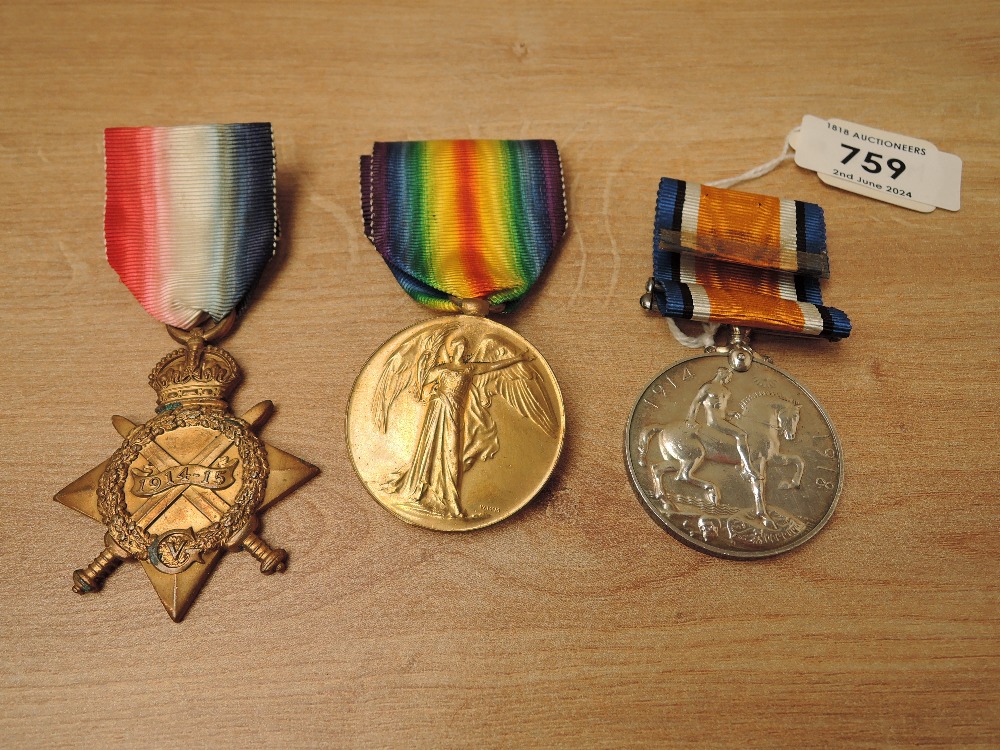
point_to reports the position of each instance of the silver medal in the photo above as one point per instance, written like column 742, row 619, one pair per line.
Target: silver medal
column 733, row 456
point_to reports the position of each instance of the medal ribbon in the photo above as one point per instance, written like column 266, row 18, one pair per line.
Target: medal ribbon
column 464, row 219
column 722, row 256
column 190, row 219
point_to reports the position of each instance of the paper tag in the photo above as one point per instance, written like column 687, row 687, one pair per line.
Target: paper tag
column 889, row 167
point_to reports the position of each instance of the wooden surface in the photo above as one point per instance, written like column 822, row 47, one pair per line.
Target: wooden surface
column 579, row 622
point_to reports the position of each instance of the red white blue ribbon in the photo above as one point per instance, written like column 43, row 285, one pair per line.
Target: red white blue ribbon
column 190, row 219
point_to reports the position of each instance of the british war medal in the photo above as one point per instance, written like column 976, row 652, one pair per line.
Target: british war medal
column 725, row 450
column 457, row 422
column 190, row 223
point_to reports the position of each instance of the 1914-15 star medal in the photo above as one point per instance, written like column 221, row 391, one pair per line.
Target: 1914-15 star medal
column 188, row 484
column 190, row 222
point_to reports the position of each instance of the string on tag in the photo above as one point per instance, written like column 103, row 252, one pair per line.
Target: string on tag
column 763, row 169
column 703, row 340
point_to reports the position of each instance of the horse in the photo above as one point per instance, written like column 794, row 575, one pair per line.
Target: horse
column 767, row 418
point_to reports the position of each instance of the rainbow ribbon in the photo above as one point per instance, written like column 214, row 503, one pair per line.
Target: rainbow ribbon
column 464, row 219
column 190, row 219
column 722, row 256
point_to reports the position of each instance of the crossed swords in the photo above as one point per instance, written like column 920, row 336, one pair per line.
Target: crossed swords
column 206, row 501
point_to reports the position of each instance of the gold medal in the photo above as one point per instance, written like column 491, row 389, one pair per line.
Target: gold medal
column 455, row 423
column 188, row 484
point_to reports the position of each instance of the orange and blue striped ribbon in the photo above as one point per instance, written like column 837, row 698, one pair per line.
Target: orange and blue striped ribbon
column 464, row 219
column 190, row 218
column 723, row 256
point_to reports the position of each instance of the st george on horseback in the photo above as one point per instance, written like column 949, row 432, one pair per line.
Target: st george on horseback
column 750, row 439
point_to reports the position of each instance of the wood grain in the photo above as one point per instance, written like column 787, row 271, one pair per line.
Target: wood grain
column 578, row 623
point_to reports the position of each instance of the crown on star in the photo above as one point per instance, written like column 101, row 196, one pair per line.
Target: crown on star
column 198, row 372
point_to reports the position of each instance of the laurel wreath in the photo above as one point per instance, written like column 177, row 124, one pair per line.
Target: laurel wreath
column 111, row 487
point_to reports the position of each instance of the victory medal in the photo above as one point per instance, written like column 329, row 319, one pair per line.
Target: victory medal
column 457, row 422
column 190, row 224
column 728, row 452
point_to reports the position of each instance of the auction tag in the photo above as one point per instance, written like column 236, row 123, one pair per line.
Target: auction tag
column 889, row 167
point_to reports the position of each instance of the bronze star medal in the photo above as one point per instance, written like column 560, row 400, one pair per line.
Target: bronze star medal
column 188, row 484
column 190, row 223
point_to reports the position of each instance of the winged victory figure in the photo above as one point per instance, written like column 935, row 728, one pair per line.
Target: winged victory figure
column 456, row 426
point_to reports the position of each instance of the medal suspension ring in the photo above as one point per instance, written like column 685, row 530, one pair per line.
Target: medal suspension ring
column 111, row 488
